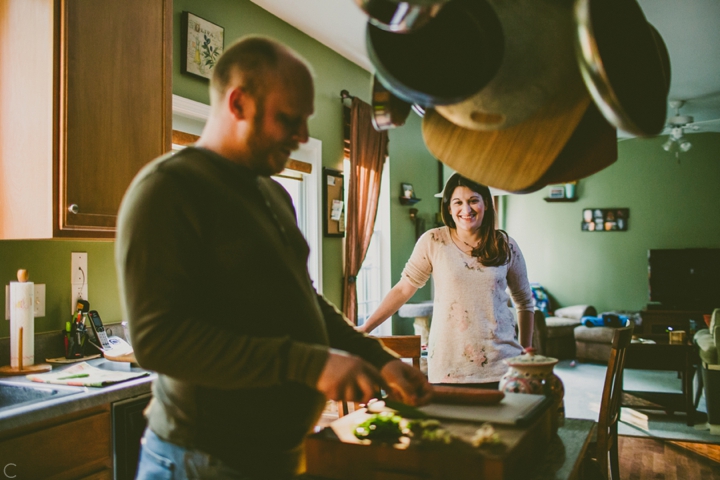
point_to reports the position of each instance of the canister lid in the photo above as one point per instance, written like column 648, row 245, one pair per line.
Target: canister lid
column 530, row 359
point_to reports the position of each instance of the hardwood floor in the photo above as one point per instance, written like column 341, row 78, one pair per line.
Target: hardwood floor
column 649, row 458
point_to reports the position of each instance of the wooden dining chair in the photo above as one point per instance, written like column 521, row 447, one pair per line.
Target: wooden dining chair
column 604, row 451
column 406, row 346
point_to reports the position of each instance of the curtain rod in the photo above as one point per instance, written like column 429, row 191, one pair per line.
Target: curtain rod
column 345, row 94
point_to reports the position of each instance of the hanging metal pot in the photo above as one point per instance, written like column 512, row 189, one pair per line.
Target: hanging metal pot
column 538, row 64
column 449, row 59
column 624, row 64
column 400, row 16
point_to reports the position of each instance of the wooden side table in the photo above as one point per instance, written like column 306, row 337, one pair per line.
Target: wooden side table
column 656, row 322
column 663, row 356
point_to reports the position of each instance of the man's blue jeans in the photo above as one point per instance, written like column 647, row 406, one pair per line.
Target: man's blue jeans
column 161, row 460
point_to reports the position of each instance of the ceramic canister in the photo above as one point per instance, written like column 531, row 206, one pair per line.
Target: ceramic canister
column 531, row 373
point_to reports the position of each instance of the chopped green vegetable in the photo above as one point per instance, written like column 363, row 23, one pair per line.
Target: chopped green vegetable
column 382, row 427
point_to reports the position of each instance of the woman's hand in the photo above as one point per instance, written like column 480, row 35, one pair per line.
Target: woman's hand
column 396, row 298
column 406, row 383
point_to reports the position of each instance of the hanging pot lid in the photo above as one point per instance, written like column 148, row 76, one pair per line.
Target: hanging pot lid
column 530, row 359
column 449, row 59
column 621, row 60
column 400, row 16
column 538, row 63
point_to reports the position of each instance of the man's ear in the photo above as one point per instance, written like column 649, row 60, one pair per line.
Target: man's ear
column 238, row 103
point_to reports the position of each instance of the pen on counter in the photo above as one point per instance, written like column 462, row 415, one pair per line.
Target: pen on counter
column 77, row 375
column 65, row 337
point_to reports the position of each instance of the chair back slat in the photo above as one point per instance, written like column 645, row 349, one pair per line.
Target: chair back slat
column 406, row 346
column 610, row 404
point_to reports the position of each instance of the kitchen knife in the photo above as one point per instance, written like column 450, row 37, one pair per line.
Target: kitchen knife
column 377, row 404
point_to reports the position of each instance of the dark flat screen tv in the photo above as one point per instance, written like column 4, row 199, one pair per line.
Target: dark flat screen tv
column 685, row 278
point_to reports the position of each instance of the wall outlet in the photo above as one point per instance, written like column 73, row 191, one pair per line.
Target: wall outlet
column 78, row 268
column 39, row 301
column 78, row 278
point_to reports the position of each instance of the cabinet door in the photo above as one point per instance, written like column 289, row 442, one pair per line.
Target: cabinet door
column 114, row 77
column 76, row 445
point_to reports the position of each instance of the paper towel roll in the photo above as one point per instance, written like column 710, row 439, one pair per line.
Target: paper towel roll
column 22, row 314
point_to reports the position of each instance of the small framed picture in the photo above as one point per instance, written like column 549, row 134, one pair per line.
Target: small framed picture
column 407, row 190
column 557, row 192
column 202, row 44
column 333, row 204
column 605, row 219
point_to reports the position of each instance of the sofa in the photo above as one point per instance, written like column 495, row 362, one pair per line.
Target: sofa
column 595, row 343
column 707, row 341
column 553, row 335
column 560, row 336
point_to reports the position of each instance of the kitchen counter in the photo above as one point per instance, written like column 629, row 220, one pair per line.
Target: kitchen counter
column 79, row 398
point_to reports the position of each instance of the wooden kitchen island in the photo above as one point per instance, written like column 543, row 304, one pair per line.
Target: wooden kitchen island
column 537, row 455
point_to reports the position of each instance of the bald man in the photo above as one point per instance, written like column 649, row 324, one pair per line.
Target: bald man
column 214, row 284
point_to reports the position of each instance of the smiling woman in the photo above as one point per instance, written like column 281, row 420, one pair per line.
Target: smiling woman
column 472, row 265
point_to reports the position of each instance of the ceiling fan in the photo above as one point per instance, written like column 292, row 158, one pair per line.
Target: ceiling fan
column 678, row 126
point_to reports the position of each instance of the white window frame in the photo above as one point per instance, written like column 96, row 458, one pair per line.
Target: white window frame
column 381, row 232
column 190, row 116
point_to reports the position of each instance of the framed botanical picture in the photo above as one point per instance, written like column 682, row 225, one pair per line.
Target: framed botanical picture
column 202, row 44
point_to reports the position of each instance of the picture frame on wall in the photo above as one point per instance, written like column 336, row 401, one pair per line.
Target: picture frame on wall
column 407, row 190
column 333, row 203
column 557, row 192
column 605, row 219
column 202, row 43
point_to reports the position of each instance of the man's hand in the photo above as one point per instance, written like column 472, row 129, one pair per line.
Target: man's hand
column 406, row 383
column 350, row 378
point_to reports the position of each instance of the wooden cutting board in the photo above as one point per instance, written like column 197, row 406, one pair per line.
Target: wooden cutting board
column 335, row 453
column 514, row 409
column 592, row 147
column 513, row 159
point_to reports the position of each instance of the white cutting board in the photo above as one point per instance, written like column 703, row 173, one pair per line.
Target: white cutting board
column 514, row 409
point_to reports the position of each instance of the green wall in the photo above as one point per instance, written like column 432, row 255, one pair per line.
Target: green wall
column 672, row 205
column 49, row 260
column 410, row 162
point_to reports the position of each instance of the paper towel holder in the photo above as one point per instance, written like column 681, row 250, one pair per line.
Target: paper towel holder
column 8, row 370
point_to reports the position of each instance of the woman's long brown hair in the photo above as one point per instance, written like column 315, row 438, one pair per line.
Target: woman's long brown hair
column 494, row 248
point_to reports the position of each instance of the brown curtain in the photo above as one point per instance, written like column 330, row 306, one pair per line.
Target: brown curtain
column 368, row 151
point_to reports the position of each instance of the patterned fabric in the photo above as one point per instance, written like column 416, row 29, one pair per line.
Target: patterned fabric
column 542, row 301
column 473, row 329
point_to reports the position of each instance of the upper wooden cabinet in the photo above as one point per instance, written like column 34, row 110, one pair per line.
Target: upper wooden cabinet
column 85, row 102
